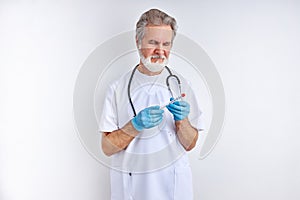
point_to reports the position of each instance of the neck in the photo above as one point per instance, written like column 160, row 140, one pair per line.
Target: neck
column 145, row 71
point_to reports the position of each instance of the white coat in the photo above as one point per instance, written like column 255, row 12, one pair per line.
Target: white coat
column 154, row 166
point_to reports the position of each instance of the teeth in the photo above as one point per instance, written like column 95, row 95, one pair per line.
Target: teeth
column 157, row 56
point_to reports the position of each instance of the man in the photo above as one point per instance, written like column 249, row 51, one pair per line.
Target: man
column 148, row 142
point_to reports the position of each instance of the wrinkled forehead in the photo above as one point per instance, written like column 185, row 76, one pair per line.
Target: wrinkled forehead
column 162, row 33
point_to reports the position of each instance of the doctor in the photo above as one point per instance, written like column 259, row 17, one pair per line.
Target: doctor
column 148, row 143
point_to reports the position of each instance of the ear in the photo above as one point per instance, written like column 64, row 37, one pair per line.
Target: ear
column 137, row 44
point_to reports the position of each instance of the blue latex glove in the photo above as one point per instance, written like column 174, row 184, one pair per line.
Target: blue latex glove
column 148, row 118
column 179, row 109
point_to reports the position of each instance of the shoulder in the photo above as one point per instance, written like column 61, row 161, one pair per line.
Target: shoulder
column 121, row 81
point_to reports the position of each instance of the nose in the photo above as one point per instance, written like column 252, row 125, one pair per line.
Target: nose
column 159, row 50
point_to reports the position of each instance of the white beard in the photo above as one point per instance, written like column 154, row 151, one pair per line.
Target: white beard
column 154, row 67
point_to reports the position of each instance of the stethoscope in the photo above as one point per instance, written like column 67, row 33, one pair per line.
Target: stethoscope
column 167, row 82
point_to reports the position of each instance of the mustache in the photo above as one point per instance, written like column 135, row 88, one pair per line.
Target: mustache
column 158, row 56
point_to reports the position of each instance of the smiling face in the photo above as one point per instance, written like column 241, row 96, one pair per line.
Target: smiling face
column 155, row 48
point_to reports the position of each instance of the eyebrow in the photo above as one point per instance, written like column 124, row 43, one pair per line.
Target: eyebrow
column 156, row 42
column 153, row 41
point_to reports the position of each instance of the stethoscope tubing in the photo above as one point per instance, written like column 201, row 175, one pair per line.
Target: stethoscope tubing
column 167, row 82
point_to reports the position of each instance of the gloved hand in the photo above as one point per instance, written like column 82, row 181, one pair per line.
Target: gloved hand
column 179, row 109
column 148, row 118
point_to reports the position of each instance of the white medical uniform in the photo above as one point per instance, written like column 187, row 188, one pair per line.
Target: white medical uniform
column 154, row 166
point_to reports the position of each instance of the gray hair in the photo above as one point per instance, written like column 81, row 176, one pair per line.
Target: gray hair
column 154, row 17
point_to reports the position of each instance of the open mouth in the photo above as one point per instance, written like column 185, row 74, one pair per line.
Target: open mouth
column 157, row 59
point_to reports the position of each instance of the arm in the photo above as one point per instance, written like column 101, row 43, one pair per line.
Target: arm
column 187, row 134
column 113, row 142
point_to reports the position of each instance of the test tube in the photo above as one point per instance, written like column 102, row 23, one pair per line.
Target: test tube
column 177, row 98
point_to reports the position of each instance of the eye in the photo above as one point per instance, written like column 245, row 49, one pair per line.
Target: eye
column 166, row 44
column 153, row 42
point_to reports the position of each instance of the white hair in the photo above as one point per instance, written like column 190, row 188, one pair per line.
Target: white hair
column 154, row 17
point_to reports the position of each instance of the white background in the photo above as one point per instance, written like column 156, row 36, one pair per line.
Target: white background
column 255, row 46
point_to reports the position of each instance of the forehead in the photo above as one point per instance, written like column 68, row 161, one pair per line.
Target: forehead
column 163, row 32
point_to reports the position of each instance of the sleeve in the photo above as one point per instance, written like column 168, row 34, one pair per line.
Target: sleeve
column 196, row 115
column 109, row 121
